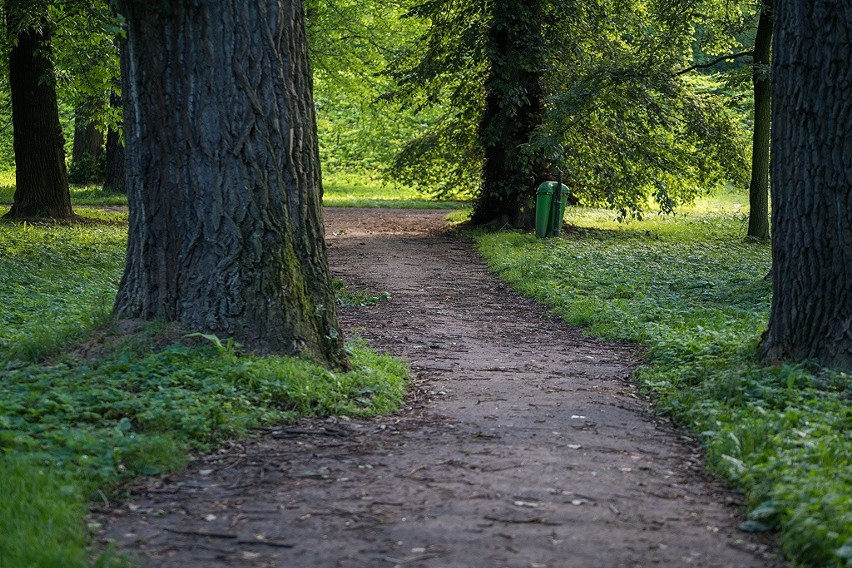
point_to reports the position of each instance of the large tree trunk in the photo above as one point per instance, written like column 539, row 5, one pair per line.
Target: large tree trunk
column 811, row 184
column 758, row 191
column 41, row 179
column 514, row 105
column 223, row 176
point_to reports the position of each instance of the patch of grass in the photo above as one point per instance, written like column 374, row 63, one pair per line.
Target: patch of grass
column 340, row 190
column 42, row 517
column 82, row 411
column 80, row 194
column 694, row 293
column 352, row 298
column 355, row 191
column 56, row 282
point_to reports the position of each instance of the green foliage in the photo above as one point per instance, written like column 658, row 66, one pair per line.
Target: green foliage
column 619, row 120
column 690, row 290
column 78, row 417
column 87, row 169
column 350, row 42
column 86, row 58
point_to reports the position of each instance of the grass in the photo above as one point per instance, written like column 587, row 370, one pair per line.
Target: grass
column 85, row 405
column 694, row 293
column 350, row 191
column 340, row 190
column 80, row 194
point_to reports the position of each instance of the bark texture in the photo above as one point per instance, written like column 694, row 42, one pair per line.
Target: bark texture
column 513, row 109
column 41, row 179
column 812, row 183
column 758, row 191
column 223, row 179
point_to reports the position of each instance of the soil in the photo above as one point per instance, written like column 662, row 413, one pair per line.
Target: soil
column 524, row 443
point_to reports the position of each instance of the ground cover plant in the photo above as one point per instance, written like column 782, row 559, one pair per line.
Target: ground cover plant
column 86, row 403
column 695, row 294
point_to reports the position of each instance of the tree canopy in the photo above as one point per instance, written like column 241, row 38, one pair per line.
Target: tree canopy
column 618, row 117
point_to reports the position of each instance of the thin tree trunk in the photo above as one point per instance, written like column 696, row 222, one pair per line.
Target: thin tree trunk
column 41, row 179
column 226, row 231
column 811, row 315
column 88, row 138
column 514, row 105
column 114, row 174
column 758, row 217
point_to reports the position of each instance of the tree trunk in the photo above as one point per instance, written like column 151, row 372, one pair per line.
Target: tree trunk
column 41, row 179
column 758, row 191
column 223, row 176
column 114, row 174
column 514, row 106
column 811, row 184
column 88, row 139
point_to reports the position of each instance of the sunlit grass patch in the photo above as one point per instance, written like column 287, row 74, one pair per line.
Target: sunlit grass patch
column 695, row 293
column 360, row 191
column 80, row 195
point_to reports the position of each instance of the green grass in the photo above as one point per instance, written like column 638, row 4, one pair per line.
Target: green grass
column 339, row 191
column 692, row 291
column 84, row 405
column 80, row 195
column 353, row 191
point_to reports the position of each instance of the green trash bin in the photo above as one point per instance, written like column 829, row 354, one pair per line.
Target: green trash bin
column 543, row 209
column 547, row 221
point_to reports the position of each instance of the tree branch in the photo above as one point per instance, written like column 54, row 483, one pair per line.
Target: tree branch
column 715, row 61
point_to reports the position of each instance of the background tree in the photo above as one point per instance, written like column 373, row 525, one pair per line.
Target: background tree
column 223, row 177
column 514, row 108
column 41, row 178
column 811, row 184
column 758, row 217
column 624, row 126
column 114, row 172
column 88, row 135
column 86, row 60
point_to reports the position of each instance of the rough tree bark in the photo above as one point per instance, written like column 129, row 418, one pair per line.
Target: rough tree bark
column 514, row 106
column 226, row 231
column 811, row 184
column 41, row 179
column 758, row 191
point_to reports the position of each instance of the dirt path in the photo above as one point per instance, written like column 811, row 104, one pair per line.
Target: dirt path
column 525, row 444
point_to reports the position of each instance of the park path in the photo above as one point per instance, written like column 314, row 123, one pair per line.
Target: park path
column 524, row 444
